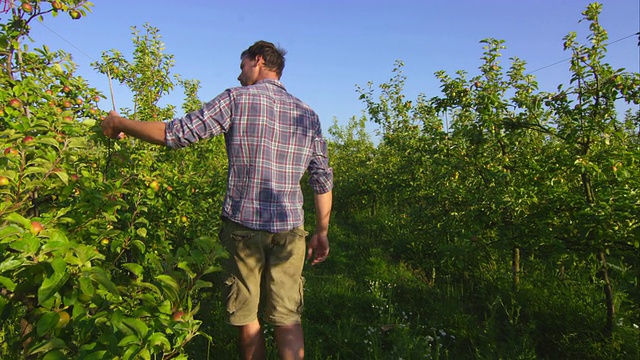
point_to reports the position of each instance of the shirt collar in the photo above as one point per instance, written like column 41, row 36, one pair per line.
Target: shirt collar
column 272, row 82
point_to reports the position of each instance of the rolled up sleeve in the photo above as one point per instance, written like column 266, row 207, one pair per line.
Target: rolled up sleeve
column 320, row 174
column 212, row 119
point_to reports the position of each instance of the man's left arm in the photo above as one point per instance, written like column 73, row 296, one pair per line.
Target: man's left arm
column 321, row 181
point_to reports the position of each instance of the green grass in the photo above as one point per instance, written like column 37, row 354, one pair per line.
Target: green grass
column 363, row 304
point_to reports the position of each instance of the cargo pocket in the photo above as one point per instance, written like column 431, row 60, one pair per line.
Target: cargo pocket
column 232, row 291
column 301, row 291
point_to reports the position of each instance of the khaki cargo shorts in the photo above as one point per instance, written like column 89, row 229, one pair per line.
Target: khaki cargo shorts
column 263, row 270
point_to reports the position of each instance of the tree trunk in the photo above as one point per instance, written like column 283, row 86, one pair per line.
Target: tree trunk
column 515, row 267
column 608, row 292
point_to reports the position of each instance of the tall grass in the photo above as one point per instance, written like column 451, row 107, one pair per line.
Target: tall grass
column 364, row 304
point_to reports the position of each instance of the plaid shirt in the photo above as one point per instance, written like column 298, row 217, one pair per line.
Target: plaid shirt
column 272, row 138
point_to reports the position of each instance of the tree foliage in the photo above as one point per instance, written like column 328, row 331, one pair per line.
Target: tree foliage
column 100, row 256
column 520, row 192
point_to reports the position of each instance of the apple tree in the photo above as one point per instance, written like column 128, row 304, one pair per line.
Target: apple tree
column 526, row 200
column 82, row 273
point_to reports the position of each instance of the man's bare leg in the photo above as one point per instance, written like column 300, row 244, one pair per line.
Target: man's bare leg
column 252, row 341
column 290, row 342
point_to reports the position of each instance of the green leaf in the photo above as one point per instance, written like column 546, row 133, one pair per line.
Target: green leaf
column 51, row 285
column 149, row 286
column 116, row 320
column 58, row 235
column 49, row 141
column 185, row 266
column 211, row 269
column 165, row 307
column 55, row 355
column 47, row 322
column 136, row 269
column 138, row 326
column 63, row 176
column 169, row 281
column 10, row 264
column 7, row 283
column 142, row 232
column 3, row 303
column 58, row 265
column 54, row 282
column 170, row 286
column 100, row 276
column 35, row 170
column 98, row 355
column 29, row 245
column 10, row 230
column 200, row 284
column 87, row 253
column 55, row 245
column 77, row 142
column 86, row 285
column 129, row 339
column 19, row 219
column 144, row 354
column 9, row 173
column 78, row 311
column 131, row 352
column 54, row 343
column 139, row 245
column 159, row 340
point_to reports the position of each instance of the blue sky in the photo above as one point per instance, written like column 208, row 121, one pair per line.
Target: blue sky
column 334, row 45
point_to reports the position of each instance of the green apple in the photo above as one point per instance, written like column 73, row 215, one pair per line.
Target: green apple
column 63, row 320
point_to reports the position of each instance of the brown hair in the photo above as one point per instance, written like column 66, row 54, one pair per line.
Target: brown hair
column 272, row 55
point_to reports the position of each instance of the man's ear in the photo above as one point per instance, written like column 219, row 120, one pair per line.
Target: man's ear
column 259, row 60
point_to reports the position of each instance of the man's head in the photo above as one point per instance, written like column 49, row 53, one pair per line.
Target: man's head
column 260, row 61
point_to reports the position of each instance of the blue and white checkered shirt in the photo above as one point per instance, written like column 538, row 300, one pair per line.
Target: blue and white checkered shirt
column 272, row 138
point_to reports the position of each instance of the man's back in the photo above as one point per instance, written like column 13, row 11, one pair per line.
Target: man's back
column 271, row 141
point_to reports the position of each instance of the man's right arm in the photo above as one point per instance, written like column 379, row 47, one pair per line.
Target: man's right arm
column 150, row 131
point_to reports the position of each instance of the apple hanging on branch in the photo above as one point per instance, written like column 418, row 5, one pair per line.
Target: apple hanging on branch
column 15, row 103
column 154, row 185
column 63, row 319
column 178, row 315
column 10, row 151
column 26, row 7
column 75, row 14
column 36, row 227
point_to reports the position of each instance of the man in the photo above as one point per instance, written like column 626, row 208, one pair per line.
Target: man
column 272, row 138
